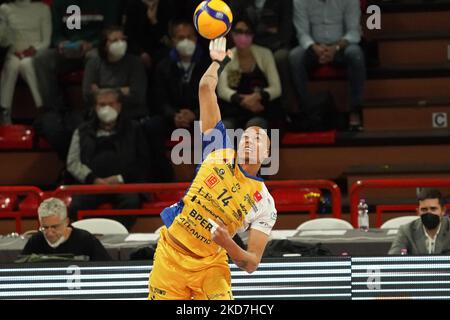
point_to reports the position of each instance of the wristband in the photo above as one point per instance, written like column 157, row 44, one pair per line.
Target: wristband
column 222, row 64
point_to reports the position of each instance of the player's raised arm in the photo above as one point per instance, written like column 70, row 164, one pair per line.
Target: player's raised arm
column 209, row 108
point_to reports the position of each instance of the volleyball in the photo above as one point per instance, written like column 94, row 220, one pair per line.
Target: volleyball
column 213, row 19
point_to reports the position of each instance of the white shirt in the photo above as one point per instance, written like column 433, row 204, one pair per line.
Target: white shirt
column 430, row 242
column 31, row 24
column 263, row 216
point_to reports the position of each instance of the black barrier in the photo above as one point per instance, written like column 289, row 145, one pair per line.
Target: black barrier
column 341, row 278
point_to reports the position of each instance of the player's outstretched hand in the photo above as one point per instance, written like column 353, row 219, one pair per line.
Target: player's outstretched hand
column 218, row 49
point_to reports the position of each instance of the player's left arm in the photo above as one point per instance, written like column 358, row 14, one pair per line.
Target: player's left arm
column 247, row 260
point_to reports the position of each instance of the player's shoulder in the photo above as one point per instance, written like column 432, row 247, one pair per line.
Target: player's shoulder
column 268, row 199
column 221, row 156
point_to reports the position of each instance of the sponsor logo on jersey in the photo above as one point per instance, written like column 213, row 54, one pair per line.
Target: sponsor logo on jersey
column 220, row 172
column 237, row 214
column 250, row 201
column 264, row 224
column 211, row 181
column 230, row 167
column 257, row 196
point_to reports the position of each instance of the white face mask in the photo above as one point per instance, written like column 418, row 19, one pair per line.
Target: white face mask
column 117, row 50
column 107, row 114
column 57, row 243
column 186, row 47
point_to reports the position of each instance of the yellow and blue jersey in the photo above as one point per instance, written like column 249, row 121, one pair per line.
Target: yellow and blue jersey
column 221, row 191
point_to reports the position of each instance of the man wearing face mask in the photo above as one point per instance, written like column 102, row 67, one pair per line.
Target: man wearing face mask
column 115, row 68
column 56, row 236
column 106, row 150
column 428, row 235
column 177, row 77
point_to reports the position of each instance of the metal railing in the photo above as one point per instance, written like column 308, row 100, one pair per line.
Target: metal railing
column 361, row 185
column 68, row 191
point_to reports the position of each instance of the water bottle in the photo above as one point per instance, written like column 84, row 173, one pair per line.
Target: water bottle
column 363, row 215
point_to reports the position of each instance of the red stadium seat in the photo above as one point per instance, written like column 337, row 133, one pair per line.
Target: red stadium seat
column 7, row 202
column 28, row 207
column 296, row 196
column 328, row 71
column 17, row 137
column 297, row 200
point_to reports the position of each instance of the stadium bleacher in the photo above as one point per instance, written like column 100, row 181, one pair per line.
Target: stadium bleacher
column 408, row 82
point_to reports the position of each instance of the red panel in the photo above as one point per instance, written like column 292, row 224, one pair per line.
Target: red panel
column 16, row 137
column 7, row 202
column 328, row 71
column 295, row 196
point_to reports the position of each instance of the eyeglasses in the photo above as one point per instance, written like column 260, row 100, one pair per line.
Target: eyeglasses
column 52, row 227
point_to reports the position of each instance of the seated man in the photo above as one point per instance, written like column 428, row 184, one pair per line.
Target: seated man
column 428, row 235
column 329, row 32
column 108, row 149
column 57, row 237
column 176, row 78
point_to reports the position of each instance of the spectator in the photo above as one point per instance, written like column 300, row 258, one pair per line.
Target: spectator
column 56, row 236
column 272, row 21
column 146, row 27
column 71, row 48
column 329, row 32
column 249, row 84
column 115, row 68
column 30, row 22
column 106, row 150
column 178, row 75
column 5, row 36
column 428, row 235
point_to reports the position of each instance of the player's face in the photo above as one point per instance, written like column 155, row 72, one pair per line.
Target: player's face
column 253, row 146
column 53, row 227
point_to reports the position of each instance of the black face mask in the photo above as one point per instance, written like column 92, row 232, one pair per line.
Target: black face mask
column 430, row 221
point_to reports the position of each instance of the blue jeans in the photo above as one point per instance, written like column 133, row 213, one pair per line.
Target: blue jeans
column 303, row 61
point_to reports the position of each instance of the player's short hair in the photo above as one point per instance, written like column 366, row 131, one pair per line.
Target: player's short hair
column 429, row 193
column 51, row 207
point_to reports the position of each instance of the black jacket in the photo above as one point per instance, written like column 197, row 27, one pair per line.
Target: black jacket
column 171, row 92
column 126, row 152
